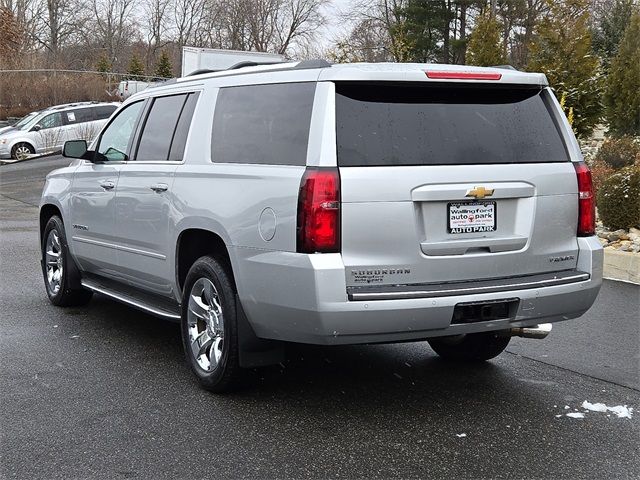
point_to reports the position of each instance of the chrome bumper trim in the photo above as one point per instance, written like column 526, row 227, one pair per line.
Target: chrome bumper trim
column 466, row 288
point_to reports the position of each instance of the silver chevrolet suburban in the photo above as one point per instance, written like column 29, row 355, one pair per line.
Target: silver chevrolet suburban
column 330, row 204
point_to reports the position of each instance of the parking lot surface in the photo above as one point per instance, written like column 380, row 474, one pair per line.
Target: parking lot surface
column 103, row 391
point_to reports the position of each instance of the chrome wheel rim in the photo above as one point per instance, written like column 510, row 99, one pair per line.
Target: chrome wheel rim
column 53, row 262
column 22, row 151
column 205, row 324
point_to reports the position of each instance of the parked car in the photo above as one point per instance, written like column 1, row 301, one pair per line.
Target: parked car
column 330, row 204
column 19, row 123
column 48, row 129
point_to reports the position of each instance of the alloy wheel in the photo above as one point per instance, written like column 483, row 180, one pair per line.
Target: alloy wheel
column 205, row 324
column 53, row 262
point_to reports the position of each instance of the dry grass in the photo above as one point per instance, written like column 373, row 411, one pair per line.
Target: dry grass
column 21, row 93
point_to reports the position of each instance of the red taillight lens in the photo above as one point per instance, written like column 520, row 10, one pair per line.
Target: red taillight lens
column 319, row 211
column 464, row 75
column 586, row 201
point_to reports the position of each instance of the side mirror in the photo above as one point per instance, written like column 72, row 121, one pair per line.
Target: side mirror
column 74, row 149
column 36, row 128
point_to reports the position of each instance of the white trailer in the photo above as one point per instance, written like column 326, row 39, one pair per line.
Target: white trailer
column 212, row 59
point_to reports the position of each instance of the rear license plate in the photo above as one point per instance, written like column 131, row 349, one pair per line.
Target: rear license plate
column 471, row 217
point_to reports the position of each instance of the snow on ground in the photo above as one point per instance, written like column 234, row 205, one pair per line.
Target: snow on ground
column 621, row 411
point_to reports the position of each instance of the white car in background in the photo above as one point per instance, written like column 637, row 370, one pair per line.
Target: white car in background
column 48, row 129
column 23, row 121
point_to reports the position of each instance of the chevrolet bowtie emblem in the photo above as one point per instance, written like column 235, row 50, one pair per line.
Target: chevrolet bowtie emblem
column 479, row 192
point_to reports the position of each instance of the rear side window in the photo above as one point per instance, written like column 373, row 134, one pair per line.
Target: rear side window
column 436, row 125
column 263, row 124
column 104, row 111
column 80, row 115
column 161, row 126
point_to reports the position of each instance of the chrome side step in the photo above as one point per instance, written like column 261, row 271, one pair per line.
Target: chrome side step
column 145, row 304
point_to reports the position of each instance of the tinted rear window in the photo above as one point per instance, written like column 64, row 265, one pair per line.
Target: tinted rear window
column 436, row 125
column 159, row 128
column 265, row 124
column 104, row 111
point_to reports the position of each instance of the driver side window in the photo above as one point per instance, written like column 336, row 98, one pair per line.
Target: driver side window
column 117, row 137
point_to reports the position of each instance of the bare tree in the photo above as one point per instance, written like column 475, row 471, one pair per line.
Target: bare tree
column 113, row 28
column 155, row 12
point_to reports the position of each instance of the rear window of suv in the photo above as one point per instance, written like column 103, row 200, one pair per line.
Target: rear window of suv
column 379, row 125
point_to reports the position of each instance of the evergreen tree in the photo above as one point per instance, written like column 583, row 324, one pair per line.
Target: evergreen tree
column 164, row 69
column 561, row 49
column 135, row 67
column 484, row 48
column 623, row 83
column 422, row 33
column 103, row 65
column 609, row 29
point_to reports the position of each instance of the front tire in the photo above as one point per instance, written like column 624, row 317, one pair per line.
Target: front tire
column 22, row 150
column 58, row 277
column 209, row 326
column 473, row 347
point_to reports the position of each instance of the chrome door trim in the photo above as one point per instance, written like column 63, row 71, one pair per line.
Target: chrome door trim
column 114, row 246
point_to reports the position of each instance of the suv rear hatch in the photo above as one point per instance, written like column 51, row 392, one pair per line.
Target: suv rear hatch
column 446, row 182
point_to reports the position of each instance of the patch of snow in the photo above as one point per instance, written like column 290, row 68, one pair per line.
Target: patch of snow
column 75, row 336
column 567, row 407
column 461, row 435
column 575, row 415
column 594, row 407
column 621, row 411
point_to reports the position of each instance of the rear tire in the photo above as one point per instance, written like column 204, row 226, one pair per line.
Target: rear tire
column 21, row 150
column 209, row 326
column 473, row 347
column 58, row 277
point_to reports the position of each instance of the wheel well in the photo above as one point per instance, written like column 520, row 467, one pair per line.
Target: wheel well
column 23, row 143
column 46, row 212
column 196, row 243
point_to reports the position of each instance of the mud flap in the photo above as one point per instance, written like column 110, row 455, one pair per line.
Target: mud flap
column 254, row 351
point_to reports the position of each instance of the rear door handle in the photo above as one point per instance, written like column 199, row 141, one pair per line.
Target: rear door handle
column 107, row 184
column 159, row 187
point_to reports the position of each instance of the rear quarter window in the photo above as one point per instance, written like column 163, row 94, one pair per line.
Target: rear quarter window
column 379, row 125
column 263, row 124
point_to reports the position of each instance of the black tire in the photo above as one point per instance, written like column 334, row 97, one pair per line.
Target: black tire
column 64, row 295
column 226, row 374
column 473, row 347
column 20, row 147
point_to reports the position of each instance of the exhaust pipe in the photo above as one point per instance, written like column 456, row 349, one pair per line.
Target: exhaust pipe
column 539, row 331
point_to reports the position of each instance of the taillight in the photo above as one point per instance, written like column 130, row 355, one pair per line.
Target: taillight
column 319, row 211
column 586, row 201
column 463, row 75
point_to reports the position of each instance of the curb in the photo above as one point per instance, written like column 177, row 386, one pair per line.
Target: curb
column 34, row 157
column 622, row 266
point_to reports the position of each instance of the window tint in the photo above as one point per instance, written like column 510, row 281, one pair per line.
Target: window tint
column 79, row 115
column 437, row 125
column 182, row 129
column 159, row 128
column 116, row 138
column 104, row 111
column 266, row 124
column 51, row 121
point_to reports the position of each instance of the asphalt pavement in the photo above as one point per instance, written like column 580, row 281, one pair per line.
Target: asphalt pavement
column 103, row 391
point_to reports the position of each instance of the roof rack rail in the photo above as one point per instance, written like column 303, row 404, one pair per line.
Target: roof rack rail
column 236, row 66
column 314, row 63
column 505, row 67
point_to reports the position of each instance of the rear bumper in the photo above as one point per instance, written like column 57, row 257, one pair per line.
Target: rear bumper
column 304, row 298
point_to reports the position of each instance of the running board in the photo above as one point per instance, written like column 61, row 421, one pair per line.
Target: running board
column 142, row 301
